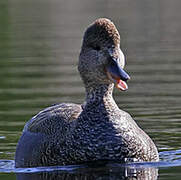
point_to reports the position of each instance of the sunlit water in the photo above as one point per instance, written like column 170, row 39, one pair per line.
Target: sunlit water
column 39, row 47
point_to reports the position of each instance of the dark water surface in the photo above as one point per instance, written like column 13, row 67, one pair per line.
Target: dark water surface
column 39, row 46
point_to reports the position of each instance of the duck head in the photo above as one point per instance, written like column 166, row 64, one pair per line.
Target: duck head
column 101, row 60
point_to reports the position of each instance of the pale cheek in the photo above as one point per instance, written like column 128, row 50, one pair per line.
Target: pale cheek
column 122, row 58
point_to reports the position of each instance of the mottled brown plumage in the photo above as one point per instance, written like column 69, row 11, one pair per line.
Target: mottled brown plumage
column 97, row 130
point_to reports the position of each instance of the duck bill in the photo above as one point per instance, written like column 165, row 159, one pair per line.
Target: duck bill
column 117, row 75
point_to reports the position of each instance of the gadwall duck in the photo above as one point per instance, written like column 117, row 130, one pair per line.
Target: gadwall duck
column 97, row 130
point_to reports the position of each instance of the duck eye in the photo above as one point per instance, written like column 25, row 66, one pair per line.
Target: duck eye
column 96, row 47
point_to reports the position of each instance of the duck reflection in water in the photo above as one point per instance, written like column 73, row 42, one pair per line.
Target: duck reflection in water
column 111, row 171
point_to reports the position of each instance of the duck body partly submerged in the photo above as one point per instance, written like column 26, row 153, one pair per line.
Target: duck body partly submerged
column 97, row 130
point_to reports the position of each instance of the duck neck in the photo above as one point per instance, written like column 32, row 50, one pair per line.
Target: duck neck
column 100, row 95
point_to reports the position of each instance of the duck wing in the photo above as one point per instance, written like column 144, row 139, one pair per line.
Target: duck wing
column 56, row 118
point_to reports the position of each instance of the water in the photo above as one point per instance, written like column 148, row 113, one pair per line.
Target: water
column 39, row 47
